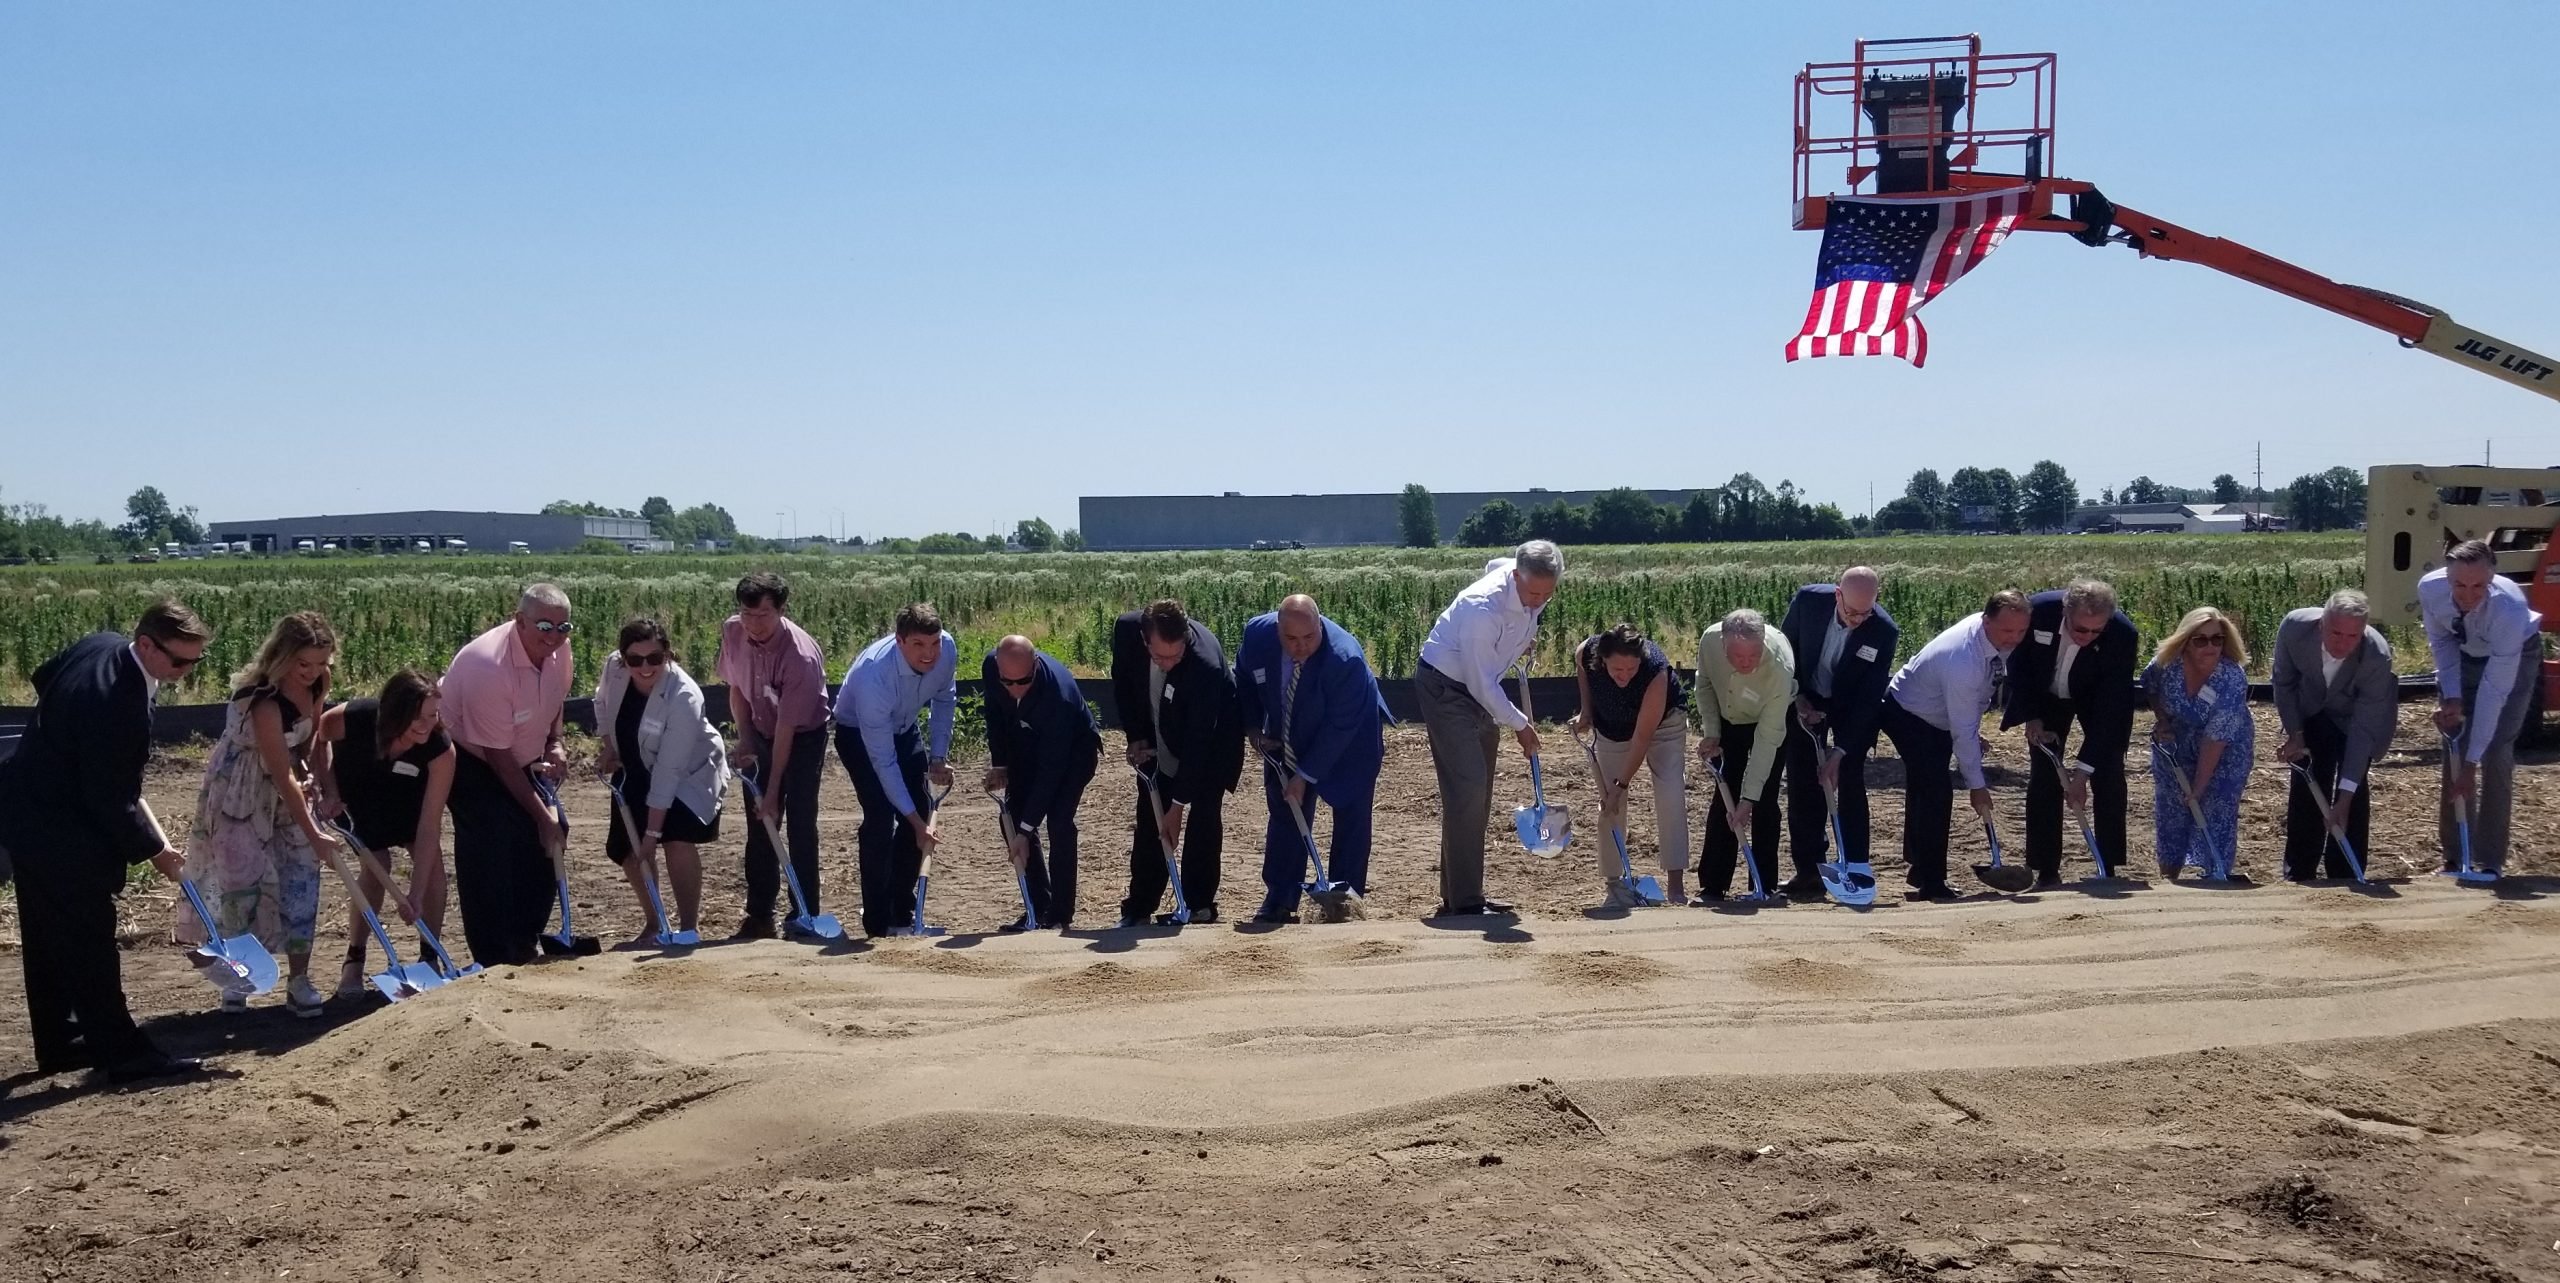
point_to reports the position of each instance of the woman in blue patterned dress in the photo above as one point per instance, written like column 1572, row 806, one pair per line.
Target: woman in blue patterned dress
column 2201, row 733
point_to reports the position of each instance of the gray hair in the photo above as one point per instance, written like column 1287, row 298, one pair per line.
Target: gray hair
column 2471, row 552
column 1746, row 625
column 2349, row 602
column 539, row 596
column 2088, row 597
column 1539, row 557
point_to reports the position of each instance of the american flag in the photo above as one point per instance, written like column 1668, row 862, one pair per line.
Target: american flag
column 1882, row 260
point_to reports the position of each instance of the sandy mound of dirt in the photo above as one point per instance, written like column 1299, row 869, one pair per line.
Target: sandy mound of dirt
column 2391, row 944
column 1115, row 982
column 1809, row 976
column 1598, row 969
column 918, row 956
column 1917, row 946
column 1256, row 961
column 1368, row 950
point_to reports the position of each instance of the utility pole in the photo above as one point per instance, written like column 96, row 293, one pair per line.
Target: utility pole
column 2258, row 484
column 2485, row 443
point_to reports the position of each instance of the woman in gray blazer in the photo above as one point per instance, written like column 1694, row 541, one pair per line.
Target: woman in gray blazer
column 674, row 770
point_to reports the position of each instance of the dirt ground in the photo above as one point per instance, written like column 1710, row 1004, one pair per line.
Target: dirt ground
column 2167, row 1082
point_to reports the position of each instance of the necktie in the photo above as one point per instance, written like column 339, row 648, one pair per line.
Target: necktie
column 1288, row 712
column 1999, row 678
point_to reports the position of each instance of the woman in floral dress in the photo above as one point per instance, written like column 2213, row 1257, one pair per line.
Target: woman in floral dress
column 2201, row 731
column 253, row 851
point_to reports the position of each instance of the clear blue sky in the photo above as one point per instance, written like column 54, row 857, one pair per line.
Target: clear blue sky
column 944, row 265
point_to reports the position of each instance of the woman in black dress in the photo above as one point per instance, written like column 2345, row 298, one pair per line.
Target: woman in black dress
column 387, row 765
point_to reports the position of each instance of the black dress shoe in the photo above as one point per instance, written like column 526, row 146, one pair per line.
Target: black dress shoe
column 2048, row 881
column 65, row 1062
column 1275, row 918
column 1941, row 894
column 1494, row 907
column 157, row 1064
column 1803, row 887
column 753, row 929
column 1015, row 927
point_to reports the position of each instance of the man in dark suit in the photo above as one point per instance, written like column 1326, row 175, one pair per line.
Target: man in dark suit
column 73, row 819
column 1843, row 643
column 1042, row 748
column 1186, row 737
column 2078, row 661
column 2340, row 703
column 1309, row 699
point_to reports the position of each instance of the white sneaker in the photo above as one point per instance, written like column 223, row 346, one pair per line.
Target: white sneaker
column 302, row 998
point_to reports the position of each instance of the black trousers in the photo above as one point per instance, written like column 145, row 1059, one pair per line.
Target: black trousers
column 889, row 855
column 2309, row 852
column 2046, row 811
column 1052, row 871
column 1203, row 841
column 1928, row 793
column 1719, row 848
column 799, row 787
column 1808, row 817
column 501, row 875
column 67, row 931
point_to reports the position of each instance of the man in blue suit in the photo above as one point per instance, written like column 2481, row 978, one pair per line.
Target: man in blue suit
column 1844, row 643
column 1312, row 704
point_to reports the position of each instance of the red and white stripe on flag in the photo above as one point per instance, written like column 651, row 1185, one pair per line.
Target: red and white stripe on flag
column 1877, row 318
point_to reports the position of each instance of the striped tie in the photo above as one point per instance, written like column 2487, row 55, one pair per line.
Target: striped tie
column 1288, row 710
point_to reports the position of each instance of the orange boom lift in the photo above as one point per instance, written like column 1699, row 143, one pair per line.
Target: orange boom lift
column 1935, row 116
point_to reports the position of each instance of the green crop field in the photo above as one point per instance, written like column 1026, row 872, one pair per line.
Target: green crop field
column 393, row 612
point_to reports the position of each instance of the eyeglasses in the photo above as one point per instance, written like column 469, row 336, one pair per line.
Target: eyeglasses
column 546, row 626
column 654, row 659
column 1013, row 681
column 2204, row 639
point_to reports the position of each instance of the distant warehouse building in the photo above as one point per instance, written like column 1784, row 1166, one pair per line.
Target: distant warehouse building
column 404, row 531
column 1153, row 523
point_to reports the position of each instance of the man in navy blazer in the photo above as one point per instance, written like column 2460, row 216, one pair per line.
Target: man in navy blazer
column 1844, row 643
column 1042, row 749
column 1312, row 704
column 2078, row 662
column 73, row 819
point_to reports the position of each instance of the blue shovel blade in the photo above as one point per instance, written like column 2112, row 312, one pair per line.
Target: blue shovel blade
column 252, row 961
column 824, row 926
column 1531, row 824
column 388, row 984
column 421, row 976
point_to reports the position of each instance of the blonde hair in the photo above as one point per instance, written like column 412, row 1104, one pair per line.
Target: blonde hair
column 2233, row 647
column 295, row 633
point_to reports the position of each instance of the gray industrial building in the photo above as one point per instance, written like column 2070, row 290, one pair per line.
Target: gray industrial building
column 403, row 531
column 1150, row 523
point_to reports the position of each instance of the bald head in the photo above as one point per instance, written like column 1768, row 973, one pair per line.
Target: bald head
column 1016, row 660
column 1301, row 628
column 1855, row 599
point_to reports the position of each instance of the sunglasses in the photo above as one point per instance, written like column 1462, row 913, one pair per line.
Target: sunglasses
column 177, row 661
column 654, row 659
column 1013, row 681
column 546, row 626
column 2204, row 639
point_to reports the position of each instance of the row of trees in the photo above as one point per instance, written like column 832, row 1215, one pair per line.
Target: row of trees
column 2046, row 499
column 689, row 526
column 1743, row 509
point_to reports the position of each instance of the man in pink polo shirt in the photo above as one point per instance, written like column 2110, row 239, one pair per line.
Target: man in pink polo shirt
column 777, row 680
column 502, row 700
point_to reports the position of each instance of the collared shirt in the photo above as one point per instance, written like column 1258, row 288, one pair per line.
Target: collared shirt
column 495, row 698
column 1950, row 685
column 149, row 682
column 2499, row 631
column 1835, row 640
column 1477, row 639
column 784, row 677
column 1165, row 760
column 2066, row 651
column 880, row 698
column 2329, row 666
column 1760, row 697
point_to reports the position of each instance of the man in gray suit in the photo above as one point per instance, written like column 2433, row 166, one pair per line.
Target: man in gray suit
column 2339, row 701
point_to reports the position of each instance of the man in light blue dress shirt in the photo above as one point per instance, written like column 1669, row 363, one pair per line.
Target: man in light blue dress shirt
column 1933, row 714
column 892, row 681
column 2487, row 645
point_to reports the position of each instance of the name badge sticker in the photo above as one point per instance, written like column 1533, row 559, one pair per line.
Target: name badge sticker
column 523, row 715
column 772, row 696
column 1261, row 677
column 2208, row 696
column 1867, row 653
column 2044, row 637
column 404, row 768
column 652, row 725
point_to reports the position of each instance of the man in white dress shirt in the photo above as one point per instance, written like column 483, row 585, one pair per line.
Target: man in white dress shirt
column 1493, row 622
column 2487, row 644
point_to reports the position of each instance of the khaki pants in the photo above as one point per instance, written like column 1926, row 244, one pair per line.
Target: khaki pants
column 1464, row 741
column 1666, row 756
